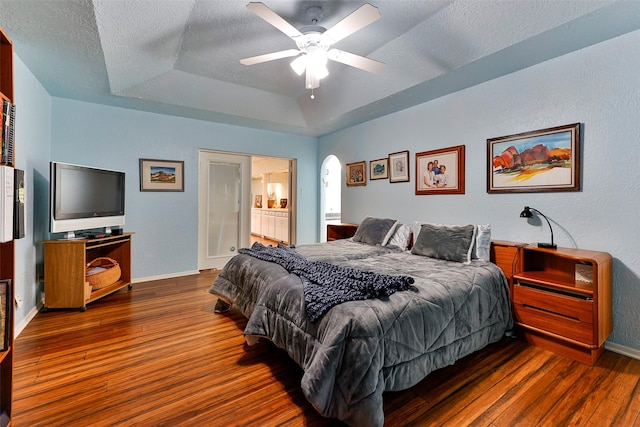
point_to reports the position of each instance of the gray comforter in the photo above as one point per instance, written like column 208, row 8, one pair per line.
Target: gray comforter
column 360, row 349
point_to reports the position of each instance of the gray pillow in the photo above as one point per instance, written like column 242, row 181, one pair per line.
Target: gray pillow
column 451, row 243
column 375, row 231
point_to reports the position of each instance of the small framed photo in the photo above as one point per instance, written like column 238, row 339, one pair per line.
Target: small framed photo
column 5, row 313
column 161, row 175
column 356, row 173
column 440, row 171
column 379, row 169
column 399, row 166
column 537, row 161
column 258, row 202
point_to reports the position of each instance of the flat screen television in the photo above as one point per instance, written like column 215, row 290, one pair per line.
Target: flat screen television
column 85, row 198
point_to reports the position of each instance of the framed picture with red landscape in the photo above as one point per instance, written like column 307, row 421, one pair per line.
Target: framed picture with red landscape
column 537, row 161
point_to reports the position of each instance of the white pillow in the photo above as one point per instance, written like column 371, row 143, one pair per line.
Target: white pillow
column 401, row 236
column 482, row 247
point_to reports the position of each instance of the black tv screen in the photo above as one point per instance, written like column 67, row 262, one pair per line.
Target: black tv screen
column 84, row 197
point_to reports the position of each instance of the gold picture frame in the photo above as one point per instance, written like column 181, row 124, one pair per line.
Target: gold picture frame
column 356, row 173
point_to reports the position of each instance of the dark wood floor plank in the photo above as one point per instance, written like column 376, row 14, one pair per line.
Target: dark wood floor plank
column 157, row 355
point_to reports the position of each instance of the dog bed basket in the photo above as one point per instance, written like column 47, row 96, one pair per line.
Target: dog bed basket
column 102, row 272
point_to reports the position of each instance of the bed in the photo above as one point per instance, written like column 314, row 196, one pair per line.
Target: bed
column 456, row 303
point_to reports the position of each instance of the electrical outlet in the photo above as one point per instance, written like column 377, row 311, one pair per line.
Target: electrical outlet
column 19, row 302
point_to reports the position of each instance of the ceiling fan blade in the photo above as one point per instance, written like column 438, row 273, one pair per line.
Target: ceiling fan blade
column 359, row 19
column 274, row 19
column 357, row 61
column 270, row 57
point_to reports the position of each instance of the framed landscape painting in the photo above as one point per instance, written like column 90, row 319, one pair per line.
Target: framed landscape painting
column 440, row 171
column 161, row 175
column 537, row 161
column 379, row 169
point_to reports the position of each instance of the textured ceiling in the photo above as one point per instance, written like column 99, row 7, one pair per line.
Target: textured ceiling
column 181, row 57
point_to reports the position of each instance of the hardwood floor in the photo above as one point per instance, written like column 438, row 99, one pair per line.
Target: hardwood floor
column 158, row 356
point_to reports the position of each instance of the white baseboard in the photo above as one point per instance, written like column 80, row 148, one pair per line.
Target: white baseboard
column 620, row 349
column 164, row 276
column 28, row 318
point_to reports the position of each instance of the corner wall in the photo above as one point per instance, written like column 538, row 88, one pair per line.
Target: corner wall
column 33, row 139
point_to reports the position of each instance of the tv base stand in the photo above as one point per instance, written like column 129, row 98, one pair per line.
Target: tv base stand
column 65, row 263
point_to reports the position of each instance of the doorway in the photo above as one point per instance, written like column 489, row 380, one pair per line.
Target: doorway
column 273, row 195
column 330, row 194
column 224, row 188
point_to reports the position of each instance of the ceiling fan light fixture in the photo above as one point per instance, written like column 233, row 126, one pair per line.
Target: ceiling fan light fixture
column 320, row 71
column 299, row 64
column 312, row 82
column 314, row 42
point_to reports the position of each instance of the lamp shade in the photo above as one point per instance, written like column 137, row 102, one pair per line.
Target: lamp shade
column 526, row 213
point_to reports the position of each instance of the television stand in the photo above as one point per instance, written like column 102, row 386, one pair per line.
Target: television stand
column 65, row 263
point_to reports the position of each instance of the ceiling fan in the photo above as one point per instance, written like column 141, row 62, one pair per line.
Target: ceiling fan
column 314, row 42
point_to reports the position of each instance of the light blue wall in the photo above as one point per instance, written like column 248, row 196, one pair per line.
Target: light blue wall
column 33, row 130
column 597, row 86
column 166, row 224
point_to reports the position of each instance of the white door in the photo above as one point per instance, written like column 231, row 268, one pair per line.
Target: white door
column 224, row 207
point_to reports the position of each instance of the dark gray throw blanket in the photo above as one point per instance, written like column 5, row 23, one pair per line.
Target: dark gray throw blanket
column 326, row 285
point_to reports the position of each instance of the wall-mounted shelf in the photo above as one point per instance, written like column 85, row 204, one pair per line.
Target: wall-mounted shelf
column 7, row 249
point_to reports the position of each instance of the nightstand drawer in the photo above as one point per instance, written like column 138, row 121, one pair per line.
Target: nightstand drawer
column 564, row 315
column 565, row 305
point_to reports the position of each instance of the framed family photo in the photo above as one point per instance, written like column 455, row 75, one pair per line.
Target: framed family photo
column 161, row 175
column 399, row 166
column 379, row 169
column 537, row 161
column 356, row 173
column 440, row 171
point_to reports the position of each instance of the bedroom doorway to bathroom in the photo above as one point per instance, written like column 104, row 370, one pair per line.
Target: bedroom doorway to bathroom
column 234, row 190
column 330, row 194
column 224, row 186
column 273, row 181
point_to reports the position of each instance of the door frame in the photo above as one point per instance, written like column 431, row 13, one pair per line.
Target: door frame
column 244, row 233
column 245, row 204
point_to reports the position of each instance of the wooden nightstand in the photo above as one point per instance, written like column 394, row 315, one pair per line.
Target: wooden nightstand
column 562, row 300
column 506, row 256
column 340, row 231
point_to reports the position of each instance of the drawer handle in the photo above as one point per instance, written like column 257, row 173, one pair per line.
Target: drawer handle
column 551, row 312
